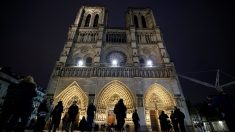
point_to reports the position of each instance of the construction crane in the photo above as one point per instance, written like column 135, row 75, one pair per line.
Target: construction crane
column 227, row 110
column 217, row 85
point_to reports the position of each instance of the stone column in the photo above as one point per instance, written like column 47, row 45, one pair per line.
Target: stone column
column 99, row 45
column 134, row 46
column 76, row 22
column 141, row 112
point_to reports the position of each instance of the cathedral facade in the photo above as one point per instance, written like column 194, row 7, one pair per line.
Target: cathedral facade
column 101, row 64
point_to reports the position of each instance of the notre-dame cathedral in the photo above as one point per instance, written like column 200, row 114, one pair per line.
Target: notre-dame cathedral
column 101, row 64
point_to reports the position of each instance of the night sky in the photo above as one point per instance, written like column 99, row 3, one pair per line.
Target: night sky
column 199, row 36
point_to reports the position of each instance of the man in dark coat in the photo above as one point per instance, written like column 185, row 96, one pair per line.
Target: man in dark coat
column 56, row 116
column 41, row 116
column 180, row 116
column 135, row 118
column 24, row 94
column 90, row 115
column 174, row 121
column 120, row 111
column 73, row 111
column 83, row 124
column 163, row 121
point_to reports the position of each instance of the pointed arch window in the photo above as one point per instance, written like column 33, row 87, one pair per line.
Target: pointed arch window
column 143, row 22
column 88, row 61
column 87, row 22
column 136, row 21
column 96, row 20
column 142, row 62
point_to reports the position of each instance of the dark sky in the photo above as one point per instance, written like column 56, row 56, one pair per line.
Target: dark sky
column 198, row 34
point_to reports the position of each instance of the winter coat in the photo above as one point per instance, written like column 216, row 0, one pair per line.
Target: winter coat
column 73, row 111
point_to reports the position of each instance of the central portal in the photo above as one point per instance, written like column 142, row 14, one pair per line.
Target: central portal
column 108, row 97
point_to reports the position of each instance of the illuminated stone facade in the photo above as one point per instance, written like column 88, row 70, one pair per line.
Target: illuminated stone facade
column 101, row 64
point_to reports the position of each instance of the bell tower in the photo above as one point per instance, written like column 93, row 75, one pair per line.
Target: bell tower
column 87, row 30
column 140, row 18
column 147, row 43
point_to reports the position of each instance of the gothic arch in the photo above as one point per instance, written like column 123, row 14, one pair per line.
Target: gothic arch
column 143, row 22
column 88, row 61
column 136, row 21
column 115, row 90
column 71, row 93
column 158, row 96
column 96, row 20
column 106, row 99
column 142, row 60
column 87, row 21
column 157, row 99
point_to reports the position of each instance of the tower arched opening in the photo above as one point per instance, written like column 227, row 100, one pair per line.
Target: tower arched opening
column 143, row 22
column 96, row 20
column 136, row 21
column 87, row 22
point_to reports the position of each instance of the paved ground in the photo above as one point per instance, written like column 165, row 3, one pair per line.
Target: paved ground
column 131, row 129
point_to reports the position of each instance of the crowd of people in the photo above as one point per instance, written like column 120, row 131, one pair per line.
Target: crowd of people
column 17, row 106
column 176, row 120
column 17, row 109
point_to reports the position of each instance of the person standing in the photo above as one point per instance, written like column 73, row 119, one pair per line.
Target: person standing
column 50, row 108
column 90, row 115
column 26, row 90
column 135, row 118
column 83, row 124
column 163, row 121
column 73, row 111
column 65, row 121
column 120, row 111
column 56, row 116
column 180, row 116
column 174, row 121
column 41, row 116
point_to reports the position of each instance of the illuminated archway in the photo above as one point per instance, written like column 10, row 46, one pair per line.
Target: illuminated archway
column 71, row 93
column 157, row 99
column 109, row 96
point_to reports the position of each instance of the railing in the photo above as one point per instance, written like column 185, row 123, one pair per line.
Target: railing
column 129, row 72
column 116, row 36
column 87, row 36
column 146, row 37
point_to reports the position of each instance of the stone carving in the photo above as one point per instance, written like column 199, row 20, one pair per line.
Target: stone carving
column 84, row 49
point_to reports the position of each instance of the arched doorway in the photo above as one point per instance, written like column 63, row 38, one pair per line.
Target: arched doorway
column 109, row 96
column 157, row 99
column 72, row 93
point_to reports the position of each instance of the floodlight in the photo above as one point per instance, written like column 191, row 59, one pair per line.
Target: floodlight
column 114, row 62
column 149, row 63
column 80, row 63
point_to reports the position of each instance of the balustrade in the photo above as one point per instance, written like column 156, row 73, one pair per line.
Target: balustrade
column 116, row 36
column 146, row 37
column 87, row 36
column 129, row 72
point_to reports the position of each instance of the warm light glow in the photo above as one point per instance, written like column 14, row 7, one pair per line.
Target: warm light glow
column 80, row 63
column 149, row 63
column 114, row 62
column 109, row 96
